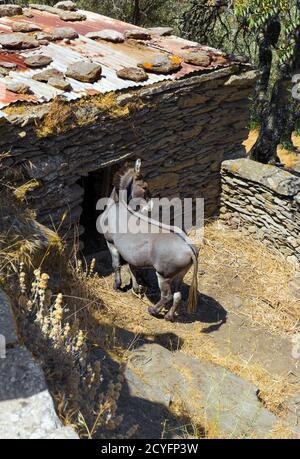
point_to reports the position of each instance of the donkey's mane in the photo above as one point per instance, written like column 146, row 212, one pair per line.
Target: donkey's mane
column 123, row 177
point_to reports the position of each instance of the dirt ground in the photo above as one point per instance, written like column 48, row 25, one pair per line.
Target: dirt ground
column 246, row 317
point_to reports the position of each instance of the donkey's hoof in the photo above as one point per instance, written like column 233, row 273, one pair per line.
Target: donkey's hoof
column 139, row 292
column 116, row 286
column 170, row 317
column 153, row 312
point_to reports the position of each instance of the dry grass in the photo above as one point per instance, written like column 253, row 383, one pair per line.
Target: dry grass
column 288, row 158
column 255, row 273
column 65, row 115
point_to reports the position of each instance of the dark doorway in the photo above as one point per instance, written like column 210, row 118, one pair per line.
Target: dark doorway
column 96, row 185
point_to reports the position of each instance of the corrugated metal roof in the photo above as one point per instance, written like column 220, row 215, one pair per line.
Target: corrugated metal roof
column 112, row 57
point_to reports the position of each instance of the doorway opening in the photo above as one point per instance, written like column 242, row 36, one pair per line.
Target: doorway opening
column 98, row 184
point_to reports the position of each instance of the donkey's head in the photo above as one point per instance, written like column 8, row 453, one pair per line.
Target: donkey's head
column 131, row 186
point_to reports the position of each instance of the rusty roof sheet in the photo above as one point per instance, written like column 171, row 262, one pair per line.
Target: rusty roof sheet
column 112, row 57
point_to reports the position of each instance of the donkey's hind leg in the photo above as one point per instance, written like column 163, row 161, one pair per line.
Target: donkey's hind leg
column 116, row 264
column 177, row 297
column 165, row 295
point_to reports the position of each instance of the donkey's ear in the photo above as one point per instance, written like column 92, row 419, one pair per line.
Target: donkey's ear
column 137, row 167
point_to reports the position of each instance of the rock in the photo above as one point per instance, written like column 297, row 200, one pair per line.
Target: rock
column 86, row 72
column 245, row 79
column 161, row 64
column 47, row 74
column 161, row 31
column 60, row 83
column 10, row 10
column 71, row 16
column 66, row 5
column 18, row 88
column 294, row 287
column 25, row 27
column 26, row 407
column 42, row 36
column 218, row 396
column 3, row 72
column 133, row 74
column 18, row 41
column 7, row 321
column 278, row 180
column 138, row 34
column 38, row 60
column 197, row 57
column 8, row 65
column 108, row 35
column 294, row 260
column 27, row 12
column 221, row 60
column 59, row 33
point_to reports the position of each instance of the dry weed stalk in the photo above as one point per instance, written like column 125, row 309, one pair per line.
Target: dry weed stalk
column 74, row 377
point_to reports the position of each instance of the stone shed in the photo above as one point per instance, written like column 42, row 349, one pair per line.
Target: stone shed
column 81, row 93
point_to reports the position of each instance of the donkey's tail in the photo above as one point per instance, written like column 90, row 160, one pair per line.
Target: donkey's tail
column 193, row 292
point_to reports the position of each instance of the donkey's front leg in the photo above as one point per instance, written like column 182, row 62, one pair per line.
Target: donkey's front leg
column 136, row 286
column 116, row 264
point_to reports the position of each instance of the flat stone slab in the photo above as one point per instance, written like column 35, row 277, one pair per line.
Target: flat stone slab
column 197, row 57
column 161, row 31
column 278, row 180
column 205, row 390
column 66, row 5
column 108, row 35
column 20, row 26
column 7, row 321
column 26, row 407
column 133, row 74
column 10, row 10
column 60, row 33
column 161, row 64
column 18, row 40
column 87, row 72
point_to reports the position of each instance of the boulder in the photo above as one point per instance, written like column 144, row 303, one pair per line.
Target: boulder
column 161, row 64
column 138, row 34
column 107, row 34
column 47, row 74
column 71, row 16
column 38, row 60
column 59, row 33
column 26, row 407
column 18, row 88
column 24, row 27
column 66, row 5
column 159, row 376
column 132, row 73
column 87, row 72
column 161, row 31
column 7, row 321
column 18, row 41
column 60, row 83
column 197, row 57
column 10, row 10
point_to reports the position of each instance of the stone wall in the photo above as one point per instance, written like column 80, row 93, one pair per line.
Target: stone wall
column 265, row 200
column 182, row 129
